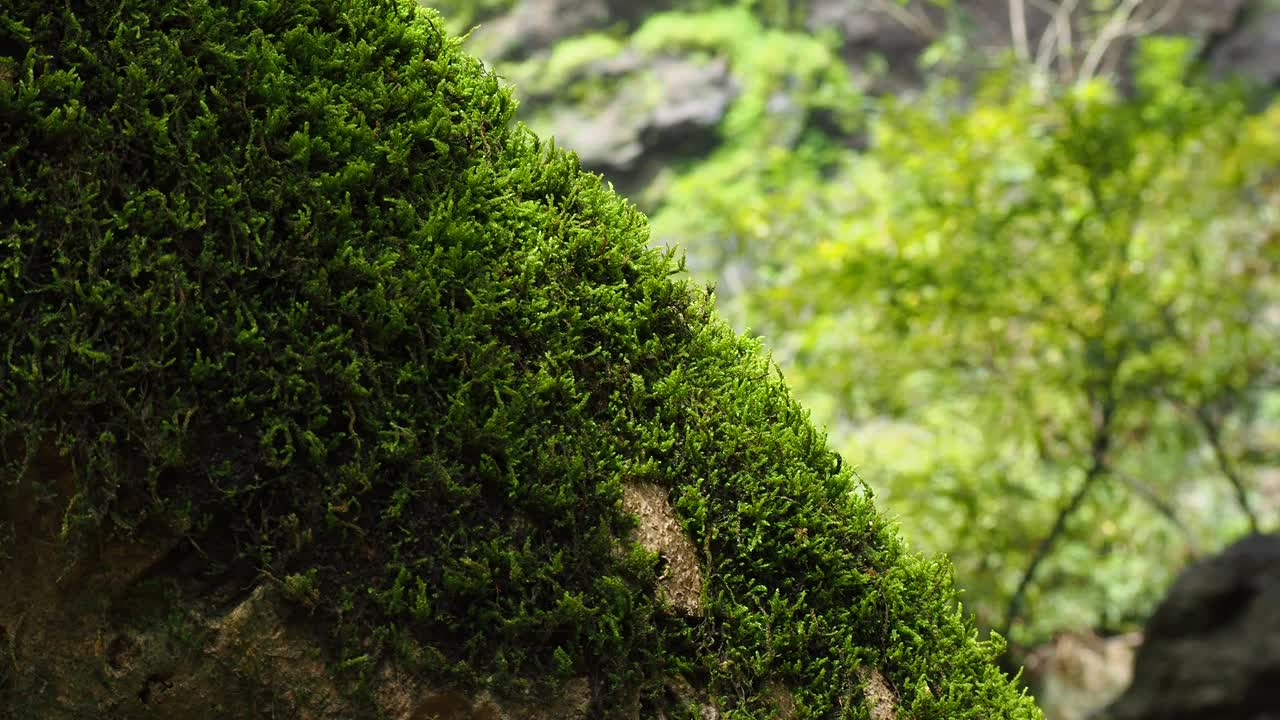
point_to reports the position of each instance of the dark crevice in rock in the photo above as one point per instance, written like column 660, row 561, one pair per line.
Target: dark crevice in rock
column 117, row 651
column 154, row 684
column 664, row 563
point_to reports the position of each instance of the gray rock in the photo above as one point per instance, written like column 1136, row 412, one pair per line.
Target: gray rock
column 1251, row 49
column 662, row 106
column 1212, row 647
column 869, row 28
column 696, row 97
column 535, row 25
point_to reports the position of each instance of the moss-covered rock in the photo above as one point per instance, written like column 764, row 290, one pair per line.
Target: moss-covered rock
column 310, row 353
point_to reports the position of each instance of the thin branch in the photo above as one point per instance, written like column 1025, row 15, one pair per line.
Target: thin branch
column 1123, row 23
column 1018, row 30
column 1066, row 42
column 1116, row 27
column 915, row 20
column 1214, row 434
column 1158, row 19
column 1097, row 469
column 1058, row 36
column 1163, row 508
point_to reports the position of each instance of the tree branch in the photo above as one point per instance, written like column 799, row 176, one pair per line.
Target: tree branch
column 1018, row 30
column 1162, row 507
column 1058, row 36
column 1157, row 19
column 1123, row 23
column 1213, row 433
column 1116, row 27
column 915, row 20
column 1097, row 469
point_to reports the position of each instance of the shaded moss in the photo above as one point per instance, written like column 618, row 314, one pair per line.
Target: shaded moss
column 285, row 275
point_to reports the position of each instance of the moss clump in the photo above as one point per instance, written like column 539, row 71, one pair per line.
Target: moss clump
column 286, row 276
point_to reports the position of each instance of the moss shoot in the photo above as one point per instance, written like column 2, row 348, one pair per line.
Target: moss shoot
column 286, row 276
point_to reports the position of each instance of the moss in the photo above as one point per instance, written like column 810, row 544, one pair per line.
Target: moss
column 286, row 276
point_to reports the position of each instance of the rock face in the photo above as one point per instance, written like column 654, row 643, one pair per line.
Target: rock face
column 1250, row 46
column 530, row 26
column 328, row 391
column 1212, row 648
column 660, row 110
column 135, row 630
column 669, row 107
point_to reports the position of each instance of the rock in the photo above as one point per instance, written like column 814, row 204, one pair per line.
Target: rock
column 889, row 31
column 658, row 108
column 1078, row 673
column 1212, row 647
column 695, row 98
column 330, row 391
column 1250, row 47
column 659, row 531
column 536, row 25
column 533, row 25
column 880, row 699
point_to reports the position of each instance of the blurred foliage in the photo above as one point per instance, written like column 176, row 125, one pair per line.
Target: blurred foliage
column 461, row 16
column 1043, row 319
column 1038, row 308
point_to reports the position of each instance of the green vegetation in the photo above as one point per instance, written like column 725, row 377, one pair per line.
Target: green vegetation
column 1041, row 316
column 285, row 276
column 463, row 15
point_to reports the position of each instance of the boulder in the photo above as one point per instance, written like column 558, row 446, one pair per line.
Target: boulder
column 1212, row 647
column 532, row 26
column 659, row 108
column 328, row 390
column 1249, row 47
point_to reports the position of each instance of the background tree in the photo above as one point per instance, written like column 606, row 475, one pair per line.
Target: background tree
column 1045, row 321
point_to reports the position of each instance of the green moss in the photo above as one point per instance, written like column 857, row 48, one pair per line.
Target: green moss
column 286, row 275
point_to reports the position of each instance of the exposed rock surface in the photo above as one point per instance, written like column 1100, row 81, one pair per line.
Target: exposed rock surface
column 1212, row 647
column 660, row 108
column 534, row 25
column 1250, row 46
column 637, row 129
column 130, row 633
column 660, row 532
